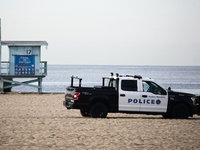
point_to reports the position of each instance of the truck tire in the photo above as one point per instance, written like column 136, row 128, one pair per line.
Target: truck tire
column 180, row 111
column 98, row 110
column 85, row 113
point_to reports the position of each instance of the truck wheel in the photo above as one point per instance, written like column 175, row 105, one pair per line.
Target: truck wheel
column 98, row 110
column 85, row 113
column 180, row 111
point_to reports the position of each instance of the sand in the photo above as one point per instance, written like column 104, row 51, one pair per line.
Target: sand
column 40, row 121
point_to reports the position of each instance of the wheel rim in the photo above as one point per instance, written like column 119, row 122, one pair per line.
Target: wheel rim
column 181, row 112
column 99, row 111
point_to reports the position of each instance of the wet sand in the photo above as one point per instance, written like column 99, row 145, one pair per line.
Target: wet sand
column 40, row 121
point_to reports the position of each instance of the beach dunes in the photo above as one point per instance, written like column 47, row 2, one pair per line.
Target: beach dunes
column 40, row 121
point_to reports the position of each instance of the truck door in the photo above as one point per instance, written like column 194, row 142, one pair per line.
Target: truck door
column 153, row 98
column 128, row 95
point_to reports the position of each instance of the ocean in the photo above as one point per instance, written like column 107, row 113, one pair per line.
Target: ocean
column 179, row 78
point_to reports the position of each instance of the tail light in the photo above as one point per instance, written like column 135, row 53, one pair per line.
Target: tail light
column 76, row 95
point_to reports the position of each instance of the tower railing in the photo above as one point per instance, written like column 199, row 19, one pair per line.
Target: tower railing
column 4, row 68
column 43, row 67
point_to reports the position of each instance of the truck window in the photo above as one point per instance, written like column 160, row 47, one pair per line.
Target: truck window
column 152, row 87
column 129, row 85
column 111, row 83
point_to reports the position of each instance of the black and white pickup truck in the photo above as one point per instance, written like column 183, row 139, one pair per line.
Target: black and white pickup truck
column 130, row 94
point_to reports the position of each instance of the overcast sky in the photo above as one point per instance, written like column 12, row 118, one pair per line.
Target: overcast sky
column 107, row 32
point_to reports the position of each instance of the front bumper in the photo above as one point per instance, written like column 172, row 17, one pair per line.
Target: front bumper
column 197, row 109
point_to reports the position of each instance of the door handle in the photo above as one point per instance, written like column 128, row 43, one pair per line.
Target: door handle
column 122, row 94
column 144, row 96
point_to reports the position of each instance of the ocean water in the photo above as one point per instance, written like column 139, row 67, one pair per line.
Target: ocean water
column 179, row 78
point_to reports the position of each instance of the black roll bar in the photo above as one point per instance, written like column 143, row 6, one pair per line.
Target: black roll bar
column 72, row 80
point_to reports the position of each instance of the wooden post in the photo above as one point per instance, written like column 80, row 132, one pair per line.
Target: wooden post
column 40, row 85
column 1, row 87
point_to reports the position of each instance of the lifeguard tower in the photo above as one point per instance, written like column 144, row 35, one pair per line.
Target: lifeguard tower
column 24, row 62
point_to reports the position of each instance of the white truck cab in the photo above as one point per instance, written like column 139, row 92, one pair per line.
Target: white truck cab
column 141, row 94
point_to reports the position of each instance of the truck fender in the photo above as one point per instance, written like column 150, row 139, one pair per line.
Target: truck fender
column 189, row 104
column 99, row 98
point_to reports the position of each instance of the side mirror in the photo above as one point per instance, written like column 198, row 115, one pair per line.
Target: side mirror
column 169, row 88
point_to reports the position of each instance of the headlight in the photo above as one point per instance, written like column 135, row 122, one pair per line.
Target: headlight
column 193, row 99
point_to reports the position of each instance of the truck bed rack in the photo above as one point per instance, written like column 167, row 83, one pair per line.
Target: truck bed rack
column 72, row 80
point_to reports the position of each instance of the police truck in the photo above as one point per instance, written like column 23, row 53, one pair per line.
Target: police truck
column 130, row 94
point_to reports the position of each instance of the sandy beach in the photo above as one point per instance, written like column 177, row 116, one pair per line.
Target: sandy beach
column 40, row 121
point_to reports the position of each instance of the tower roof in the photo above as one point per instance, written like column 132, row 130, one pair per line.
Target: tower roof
column 24, row 43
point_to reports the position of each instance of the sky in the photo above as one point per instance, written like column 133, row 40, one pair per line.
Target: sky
column 106, row 32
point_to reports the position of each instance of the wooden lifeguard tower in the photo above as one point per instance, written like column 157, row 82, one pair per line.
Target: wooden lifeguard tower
column 24, row 62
